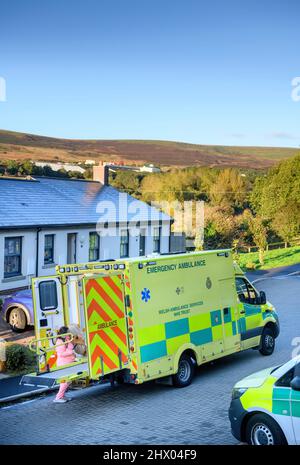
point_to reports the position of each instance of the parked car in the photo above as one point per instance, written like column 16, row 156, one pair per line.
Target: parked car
column 265, row 406
column 17, row 310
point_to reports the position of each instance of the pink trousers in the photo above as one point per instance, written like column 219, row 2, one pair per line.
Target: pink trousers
column 62, row 390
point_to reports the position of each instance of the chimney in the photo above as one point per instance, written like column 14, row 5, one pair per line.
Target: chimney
column 100, row 174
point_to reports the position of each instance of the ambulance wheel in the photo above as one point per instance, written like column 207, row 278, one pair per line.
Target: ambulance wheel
column 185, row 373
column 262, row 430
column 267, row 344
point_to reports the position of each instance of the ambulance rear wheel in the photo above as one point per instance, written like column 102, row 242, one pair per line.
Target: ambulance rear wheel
column 185, row 373
column 262, row 430
column 267, row 344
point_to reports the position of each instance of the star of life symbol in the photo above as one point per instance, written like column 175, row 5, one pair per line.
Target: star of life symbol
column 145, row 294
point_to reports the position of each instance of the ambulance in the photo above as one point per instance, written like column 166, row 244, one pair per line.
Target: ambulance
column 148, row 318
column 265, row 406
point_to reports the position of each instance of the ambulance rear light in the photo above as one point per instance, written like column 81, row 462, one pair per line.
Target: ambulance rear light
column 76, row 269
column 132, row 349
column 116, row 267
column 61, row 270
column 130, row 329
column 68, row 269
column 122, row 266
column 107, row 267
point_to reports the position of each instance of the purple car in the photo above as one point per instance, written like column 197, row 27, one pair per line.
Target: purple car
column 17, row 310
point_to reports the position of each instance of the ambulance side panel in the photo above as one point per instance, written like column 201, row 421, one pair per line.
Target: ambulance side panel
column 180, row 303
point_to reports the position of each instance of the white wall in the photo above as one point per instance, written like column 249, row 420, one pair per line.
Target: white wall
column 109, row 248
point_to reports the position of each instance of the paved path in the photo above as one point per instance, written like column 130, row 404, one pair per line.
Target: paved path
column 151, row 414
column 274, row 272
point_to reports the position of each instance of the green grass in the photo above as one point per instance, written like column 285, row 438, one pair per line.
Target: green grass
column 273, row 259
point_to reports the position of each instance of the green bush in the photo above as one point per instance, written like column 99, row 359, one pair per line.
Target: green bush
column 19, row 358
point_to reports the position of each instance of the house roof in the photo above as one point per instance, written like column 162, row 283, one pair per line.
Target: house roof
column 42, row 201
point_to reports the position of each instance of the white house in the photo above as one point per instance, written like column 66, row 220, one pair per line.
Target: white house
column 49, row 221
column 60, row 166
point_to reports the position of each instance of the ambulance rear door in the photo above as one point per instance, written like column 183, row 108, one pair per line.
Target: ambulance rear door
column 106, row 324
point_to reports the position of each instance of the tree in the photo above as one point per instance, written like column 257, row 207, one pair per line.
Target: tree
column 259, row 230
column 276, row 197
column 286, row 223
column 229, row 190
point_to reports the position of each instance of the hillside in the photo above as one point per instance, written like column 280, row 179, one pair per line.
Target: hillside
column 20, row 146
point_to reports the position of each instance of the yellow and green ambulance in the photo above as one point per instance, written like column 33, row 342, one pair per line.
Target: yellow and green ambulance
column 265, row 406
column 150, row 317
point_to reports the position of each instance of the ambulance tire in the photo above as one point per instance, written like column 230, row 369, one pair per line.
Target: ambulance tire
column 185, row 373
column 261, row 429
column 267, row 344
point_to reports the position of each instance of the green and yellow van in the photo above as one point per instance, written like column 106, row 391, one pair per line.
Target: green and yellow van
column 153, row 317
column 265, row 406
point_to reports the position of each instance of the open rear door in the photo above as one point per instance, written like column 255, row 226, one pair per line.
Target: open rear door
column 48, row 316
column 106, row 324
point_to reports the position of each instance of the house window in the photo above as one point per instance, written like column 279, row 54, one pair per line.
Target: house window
column 49, row 249
column 94, row 251
column 12, row 256
column 156, row 240
column 124, row 244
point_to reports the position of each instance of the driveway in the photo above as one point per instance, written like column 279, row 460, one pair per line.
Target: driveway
column 153, row 413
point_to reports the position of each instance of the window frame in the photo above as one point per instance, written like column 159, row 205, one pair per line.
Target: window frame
column 52, row 261
column 124, row 243
column 19, row 255
column 157, row 238
column 94, row 234
column 280, row 383
column 52, row 307
column 248, row 286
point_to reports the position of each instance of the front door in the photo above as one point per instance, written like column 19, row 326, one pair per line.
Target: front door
column 230, row 315
column 142, row 249
column 106, row 324
column 71, row 248
column 295, row 407
column 250, row 315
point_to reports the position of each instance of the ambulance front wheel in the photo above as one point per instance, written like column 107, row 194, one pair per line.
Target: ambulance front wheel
column 186, row 371
column 267, row 344
column 262, row 430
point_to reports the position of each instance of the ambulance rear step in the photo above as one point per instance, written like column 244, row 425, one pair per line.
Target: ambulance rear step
column 49, row 380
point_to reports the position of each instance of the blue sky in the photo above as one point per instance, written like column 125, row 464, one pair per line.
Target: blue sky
column 195, row 71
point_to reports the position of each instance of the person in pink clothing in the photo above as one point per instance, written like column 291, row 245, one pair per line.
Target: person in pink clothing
column 65, row 356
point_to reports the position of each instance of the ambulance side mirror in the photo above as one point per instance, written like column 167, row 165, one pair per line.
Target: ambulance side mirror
column 262, row 298
column 295, row 383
